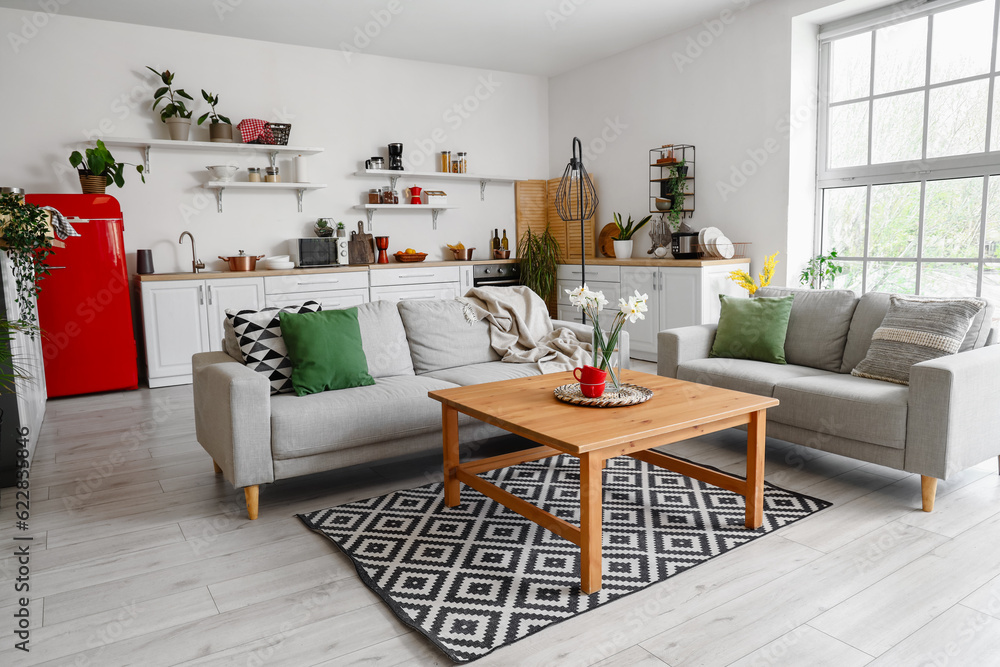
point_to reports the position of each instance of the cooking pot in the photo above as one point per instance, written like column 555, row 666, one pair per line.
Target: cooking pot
column 242, row 262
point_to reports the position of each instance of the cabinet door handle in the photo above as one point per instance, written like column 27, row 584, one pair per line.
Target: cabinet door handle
column 417, row 275
column 412, row 298
column 302, row 282
column 201, row 295
column 661, row 282
column 210, row 295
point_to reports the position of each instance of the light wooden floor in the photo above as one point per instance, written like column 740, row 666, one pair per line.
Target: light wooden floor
column 142, row 556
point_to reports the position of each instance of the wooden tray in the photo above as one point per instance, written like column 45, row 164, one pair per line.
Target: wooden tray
column 606, row 239
column 415, row 257
column 629, row 394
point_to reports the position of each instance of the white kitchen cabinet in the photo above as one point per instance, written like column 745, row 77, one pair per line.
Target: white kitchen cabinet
column 605, row 279
column 397, row 283
column 332, row 290
column 183, row 317
column 397, row 293
column 466, row 277
column 678, row 297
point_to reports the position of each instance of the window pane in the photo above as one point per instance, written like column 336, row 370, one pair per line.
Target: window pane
column 991, row 285
column 995, row 126
column 851, row 277
column 957, row 119
column 899, row 277
column 952, row 215
column 993, row 219
column 894, row 219
column 848, row 135
column 850, row 67
column 962, row 42
column 898, row 128
column 844, row 220
column 901, row 56
column 948, row 279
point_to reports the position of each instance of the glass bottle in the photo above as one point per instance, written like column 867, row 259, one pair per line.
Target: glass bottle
column 463, row 163
column 496, row 239
column 504, row 244
column 446, row 161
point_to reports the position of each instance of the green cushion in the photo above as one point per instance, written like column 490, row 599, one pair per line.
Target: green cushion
column 752, row 328
column 325, row 349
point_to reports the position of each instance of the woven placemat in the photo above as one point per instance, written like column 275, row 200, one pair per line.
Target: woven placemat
column 629, row 394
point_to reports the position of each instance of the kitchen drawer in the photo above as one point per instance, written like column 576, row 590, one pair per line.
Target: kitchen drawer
column 414, row 276
column 330, row 299
column 408, row 292
column 315, row 282
column 611, row 290
column 607, row 274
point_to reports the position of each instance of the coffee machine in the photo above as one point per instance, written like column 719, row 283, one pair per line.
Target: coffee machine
column 396, row 157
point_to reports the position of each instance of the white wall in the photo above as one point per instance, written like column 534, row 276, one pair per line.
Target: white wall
column 739, row 87
column 81, row 78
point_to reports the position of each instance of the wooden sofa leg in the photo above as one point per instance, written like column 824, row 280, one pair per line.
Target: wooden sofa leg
column 928, row 488
column 218, row 470
column 253, row 493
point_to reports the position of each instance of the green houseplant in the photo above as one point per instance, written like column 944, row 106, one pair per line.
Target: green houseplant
column 539, row 255
column 675, row 191
column 174, row 112
column 98, row 169
column 221, row 128
column 26, row 238
column 821, row 271
column 623, row 242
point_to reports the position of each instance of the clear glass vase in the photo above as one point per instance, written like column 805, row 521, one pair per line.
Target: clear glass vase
column 610, row 362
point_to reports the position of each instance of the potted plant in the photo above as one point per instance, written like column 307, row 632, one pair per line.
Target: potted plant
column 623, row 244
column 539, row 255
column 673, row 189
column 26, row 237
column 174, row 113
column 99, row 169
column 821, row 271
column 323, row 228
column 221, row 128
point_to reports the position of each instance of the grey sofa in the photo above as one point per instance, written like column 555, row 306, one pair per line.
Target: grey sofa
column 945, row 421
column 412, row 348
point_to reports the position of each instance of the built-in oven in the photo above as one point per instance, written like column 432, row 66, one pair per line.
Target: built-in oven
column 319, row 251
column 496, row 275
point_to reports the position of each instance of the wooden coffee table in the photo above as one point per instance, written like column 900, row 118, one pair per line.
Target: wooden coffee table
column 526, row 406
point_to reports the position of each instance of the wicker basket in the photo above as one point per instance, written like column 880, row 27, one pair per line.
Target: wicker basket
column 93, row 185
column 280, row 132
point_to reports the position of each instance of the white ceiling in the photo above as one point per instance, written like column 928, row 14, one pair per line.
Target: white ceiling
column 545, row 37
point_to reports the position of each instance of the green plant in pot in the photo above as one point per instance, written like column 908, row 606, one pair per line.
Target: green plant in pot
column 221, row 128
column 26, row 237
column 323, row 228
column 174, row 112
column 98, row 169
column 821, row 271
column 674, row 190
column 623, row 242
column 539, row 255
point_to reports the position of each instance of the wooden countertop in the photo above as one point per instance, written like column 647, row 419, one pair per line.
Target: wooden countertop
column 393, row 264
column 655, row 261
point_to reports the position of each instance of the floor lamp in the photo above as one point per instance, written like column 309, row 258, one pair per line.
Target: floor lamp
column 576, row 184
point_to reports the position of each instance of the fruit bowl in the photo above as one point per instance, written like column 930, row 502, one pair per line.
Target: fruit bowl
column 412, row 257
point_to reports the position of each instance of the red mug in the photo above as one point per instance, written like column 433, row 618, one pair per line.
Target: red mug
column 590, row 375
column 592, row 390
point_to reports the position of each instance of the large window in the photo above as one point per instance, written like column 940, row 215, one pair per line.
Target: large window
column 909, row 149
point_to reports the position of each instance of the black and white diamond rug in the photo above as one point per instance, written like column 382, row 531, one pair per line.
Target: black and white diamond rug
column 477, row 577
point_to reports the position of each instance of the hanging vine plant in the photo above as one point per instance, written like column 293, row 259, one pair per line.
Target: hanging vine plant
column 24, row 236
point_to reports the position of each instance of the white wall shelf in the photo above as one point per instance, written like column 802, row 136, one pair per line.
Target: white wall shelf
column 146, row 146
column 395, row 175
column 299, row 188
column 370, row 209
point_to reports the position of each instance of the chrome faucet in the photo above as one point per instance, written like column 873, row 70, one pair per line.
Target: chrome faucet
column 196, row 263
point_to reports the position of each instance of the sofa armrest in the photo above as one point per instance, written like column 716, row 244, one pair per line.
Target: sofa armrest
column 232, row 416
column 585, row 333
column 675, row 346
column 952, row 419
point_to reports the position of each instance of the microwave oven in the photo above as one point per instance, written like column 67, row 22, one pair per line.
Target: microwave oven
column 319, row 251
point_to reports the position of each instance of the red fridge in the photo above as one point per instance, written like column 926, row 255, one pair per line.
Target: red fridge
column 84, row 308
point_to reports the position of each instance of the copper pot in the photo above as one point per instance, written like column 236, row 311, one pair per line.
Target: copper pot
column 242, row 262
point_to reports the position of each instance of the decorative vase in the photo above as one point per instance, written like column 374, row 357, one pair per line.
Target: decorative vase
column 93, row 185
column 220, row 133
column 612, row 364
column 623, row 249
column 179, row 128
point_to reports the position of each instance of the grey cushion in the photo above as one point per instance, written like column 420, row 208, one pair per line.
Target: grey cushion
column 844, row 406
column 384, row 339
column 492, row 371
column 752, row 377
column 916, row 329
column 817, row 326
column 870, row 312
column 439, row 336
column 393, row 407
column 230, row 345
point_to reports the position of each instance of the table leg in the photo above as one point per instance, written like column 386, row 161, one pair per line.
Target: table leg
column 755, row 469
column 590, row 523
column 449, row 423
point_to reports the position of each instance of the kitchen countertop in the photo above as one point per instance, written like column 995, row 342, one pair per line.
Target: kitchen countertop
column 211, row 275
column 655, row 261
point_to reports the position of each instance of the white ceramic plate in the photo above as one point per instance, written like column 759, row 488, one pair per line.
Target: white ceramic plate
column 724, row 248
column 278, row 266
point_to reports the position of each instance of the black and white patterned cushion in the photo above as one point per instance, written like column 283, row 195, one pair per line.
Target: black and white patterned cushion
column 261, row 344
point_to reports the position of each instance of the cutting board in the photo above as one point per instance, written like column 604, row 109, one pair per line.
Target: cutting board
column 361, row 247
column 605, row 241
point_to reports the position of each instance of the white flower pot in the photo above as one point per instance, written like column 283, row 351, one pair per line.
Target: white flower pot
column 623, row 249
column 178, row 128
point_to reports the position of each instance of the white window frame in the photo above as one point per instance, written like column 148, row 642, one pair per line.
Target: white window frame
column 985, row 164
